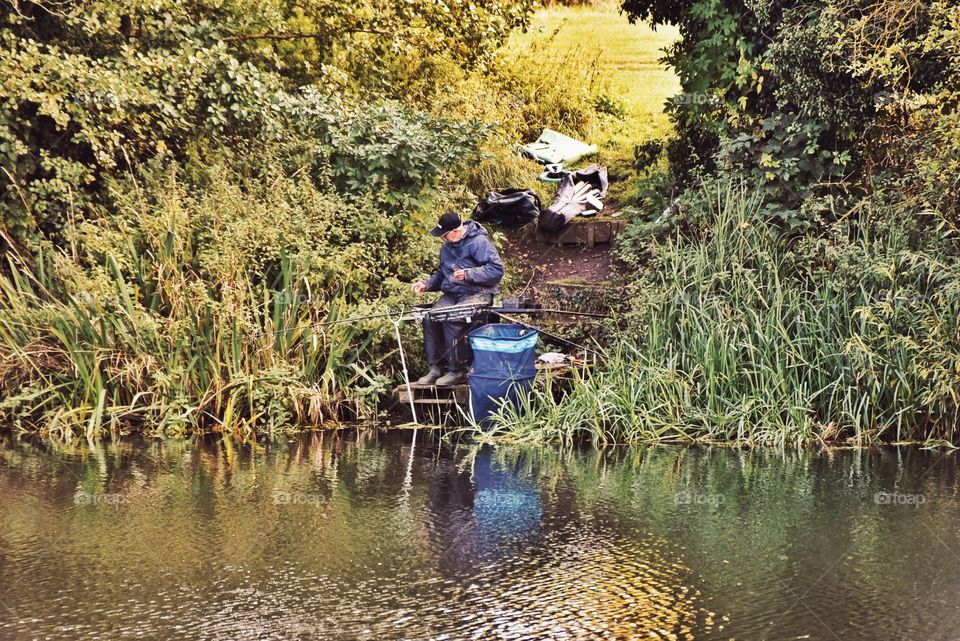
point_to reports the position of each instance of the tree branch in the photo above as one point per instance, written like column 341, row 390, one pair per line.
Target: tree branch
column 296, row 35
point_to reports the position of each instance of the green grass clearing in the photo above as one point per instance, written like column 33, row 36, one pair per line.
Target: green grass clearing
column 629, row 72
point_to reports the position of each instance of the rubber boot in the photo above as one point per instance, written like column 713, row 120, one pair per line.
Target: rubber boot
column 430, row 378
column 453, row 377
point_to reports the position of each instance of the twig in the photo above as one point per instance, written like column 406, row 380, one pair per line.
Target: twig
column 239, row 37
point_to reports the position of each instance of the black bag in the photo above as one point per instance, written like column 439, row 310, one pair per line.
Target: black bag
column 508, row 208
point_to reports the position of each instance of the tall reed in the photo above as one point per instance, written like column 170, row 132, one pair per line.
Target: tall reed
column 158, row 324
column 740, row 336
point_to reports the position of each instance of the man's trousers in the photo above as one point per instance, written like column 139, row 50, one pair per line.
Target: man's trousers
column 446, row 341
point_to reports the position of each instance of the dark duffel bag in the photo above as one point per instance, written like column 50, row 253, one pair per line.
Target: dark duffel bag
column 508, row 208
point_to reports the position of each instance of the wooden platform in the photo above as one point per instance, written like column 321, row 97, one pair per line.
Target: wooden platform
column 585, row 231
column 441, row 403
column 434, row 394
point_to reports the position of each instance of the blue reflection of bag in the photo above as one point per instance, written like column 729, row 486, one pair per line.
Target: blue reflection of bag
column 504, row 366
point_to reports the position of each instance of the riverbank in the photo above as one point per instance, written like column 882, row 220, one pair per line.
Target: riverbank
column 735, row 333
column 189, row 290
column 804, row 286
column 789, row 274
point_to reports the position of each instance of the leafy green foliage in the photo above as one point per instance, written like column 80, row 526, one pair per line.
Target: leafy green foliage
column 96, row 86
column 804, row 99
column 398, row 149
column 373, row 45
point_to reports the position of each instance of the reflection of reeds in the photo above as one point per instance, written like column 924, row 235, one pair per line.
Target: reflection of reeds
column 740, row 342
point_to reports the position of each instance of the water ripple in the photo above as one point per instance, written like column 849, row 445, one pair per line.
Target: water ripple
column 367, row 538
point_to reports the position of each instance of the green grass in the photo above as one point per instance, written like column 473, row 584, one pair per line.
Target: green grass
column 628, row 56
column 629, row 72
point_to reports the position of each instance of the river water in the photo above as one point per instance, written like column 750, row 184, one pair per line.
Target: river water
column 360, row 535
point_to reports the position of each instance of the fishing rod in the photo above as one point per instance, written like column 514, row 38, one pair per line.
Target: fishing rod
column 357, row 319
column 541, row 310
column 552, row 337
column 458, row 312
column 420, row 314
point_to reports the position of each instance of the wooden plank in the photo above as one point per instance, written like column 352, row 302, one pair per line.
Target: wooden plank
column 604, row 233
column 439, row 403
column 418, row 386
column 551, row 369
column 437, row 394
column 459, row 394
column 584, row 232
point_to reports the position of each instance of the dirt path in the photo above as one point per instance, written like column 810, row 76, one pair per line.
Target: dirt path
column 539, row 264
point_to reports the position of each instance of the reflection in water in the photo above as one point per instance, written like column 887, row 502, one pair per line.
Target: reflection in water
column 361, row 536
column 507, row 504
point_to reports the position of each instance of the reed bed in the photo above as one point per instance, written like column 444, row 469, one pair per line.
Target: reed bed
column 742, row 334
column 81, row 370
column 155, row 324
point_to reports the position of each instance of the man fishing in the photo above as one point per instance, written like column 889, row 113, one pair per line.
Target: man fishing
column 470, row 272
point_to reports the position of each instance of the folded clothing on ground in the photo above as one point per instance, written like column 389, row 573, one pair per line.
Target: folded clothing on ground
column 553, row 147
column 580, row 193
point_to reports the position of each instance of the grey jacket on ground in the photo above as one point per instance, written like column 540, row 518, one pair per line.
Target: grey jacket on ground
column 474, row 253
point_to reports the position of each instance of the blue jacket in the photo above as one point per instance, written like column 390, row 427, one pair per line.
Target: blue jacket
column 476, row 254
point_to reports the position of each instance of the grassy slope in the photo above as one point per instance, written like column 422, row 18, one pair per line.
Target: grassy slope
column 628, row 58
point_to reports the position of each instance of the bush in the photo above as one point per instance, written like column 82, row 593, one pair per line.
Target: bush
column 97, row 88
column 806, row 101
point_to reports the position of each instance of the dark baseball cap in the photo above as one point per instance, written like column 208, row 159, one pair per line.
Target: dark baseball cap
column 447, row 223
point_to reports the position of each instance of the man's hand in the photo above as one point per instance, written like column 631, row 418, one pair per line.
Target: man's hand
column 419, row 287
column 460, row 274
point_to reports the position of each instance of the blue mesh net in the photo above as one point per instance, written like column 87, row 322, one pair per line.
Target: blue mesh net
column 504, row 366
